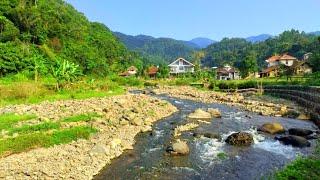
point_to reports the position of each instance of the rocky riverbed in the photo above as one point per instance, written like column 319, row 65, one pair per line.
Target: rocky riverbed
column 233, row 99
column 121, row 119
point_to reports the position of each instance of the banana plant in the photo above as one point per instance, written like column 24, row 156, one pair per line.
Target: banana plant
column 65, row 72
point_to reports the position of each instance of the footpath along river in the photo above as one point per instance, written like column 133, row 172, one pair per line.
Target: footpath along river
column 208, row 158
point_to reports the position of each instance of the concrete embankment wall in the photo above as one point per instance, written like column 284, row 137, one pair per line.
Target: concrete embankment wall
column 308, row 97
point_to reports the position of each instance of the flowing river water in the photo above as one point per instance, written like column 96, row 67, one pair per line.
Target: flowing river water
column 208, row 158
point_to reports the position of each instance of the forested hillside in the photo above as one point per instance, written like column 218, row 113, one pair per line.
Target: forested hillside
column 158, row 50
column 37, row 35
column 236, row 51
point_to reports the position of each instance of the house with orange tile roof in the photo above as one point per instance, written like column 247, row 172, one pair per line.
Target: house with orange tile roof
column 274, row 63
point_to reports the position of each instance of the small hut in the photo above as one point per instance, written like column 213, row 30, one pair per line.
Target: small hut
column 152, row 71
column 131, row 71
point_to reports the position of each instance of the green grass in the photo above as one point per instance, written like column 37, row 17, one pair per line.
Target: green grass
column 8, row 120
column 24, row 91
column 302, row 168
column 81, row 118
column 222, row 156
column 31, row 141
column 26, row 129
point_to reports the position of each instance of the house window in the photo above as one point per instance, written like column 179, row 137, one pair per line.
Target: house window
column 181, row 68
column 287, row 62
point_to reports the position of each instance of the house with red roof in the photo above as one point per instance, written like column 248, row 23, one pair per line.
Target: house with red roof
column 274, row 63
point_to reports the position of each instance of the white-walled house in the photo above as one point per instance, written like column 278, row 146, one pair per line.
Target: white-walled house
column 227, row 73
column 180, row 66
column 283, row 59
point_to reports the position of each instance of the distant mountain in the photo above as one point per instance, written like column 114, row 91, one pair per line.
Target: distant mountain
column 133, row 42
column 202, row 42
column 158, row 50
column 316, row 33
column 259, row 38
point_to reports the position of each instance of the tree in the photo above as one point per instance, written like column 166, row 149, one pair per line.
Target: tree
column 249, row 65
column 163, row 71
column 197, row 57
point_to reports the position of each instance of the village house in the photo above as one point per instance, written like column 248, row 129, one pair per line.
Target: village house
column 131, row 71
column 152, row 71
column 299, row 67
column 227, row 73
column 181, row 66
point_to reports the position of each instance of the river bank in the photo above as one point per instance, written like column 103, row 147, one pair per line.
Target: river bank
column 121, row 119
column 262, row 106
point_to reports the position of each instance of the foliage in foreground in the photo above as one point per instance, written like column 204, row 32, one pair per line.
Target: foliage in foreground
column 302, row 168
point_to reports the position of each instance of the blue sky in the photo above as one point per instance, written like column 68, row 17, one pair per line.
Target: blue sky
column 215, row 19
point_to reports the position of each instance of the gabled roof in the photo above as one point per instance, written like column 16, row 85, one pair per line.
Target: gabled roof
column 224, row 70
column 179, row 59
column 269, row 69
column 279, row 58
column 287, row 57
column 132, row 68
column 152, row 70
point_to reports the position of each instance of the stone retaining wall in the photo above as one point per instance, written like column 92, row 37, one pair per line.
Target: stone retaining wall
column 308, row 97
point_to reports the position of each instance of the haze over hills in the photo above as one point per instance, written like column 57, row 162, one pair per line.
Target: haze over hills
column 259, row 38
column 202, row 42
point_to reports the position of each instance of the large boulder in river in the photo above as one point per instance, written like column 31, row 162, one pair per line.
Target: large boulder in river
column 300, row 132
column 178, row 148
column 200, row 114
column 272, row 128
column 240, row 139
column 295, row 141
column 214, row 112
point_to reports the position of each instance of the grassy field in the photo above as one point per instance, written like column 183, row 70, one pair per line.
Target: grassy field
column 18, row 89
column 16, row 139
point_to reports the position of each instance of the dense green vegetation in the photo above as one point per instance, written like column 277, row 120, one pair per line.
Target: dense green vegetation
column 37, row 36
column 246, row 55
column 158, row 50
column 302, row 168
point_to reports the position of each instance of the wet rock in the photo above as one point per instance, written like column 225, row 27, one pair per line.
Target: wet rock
column 178, row 148
column 300, row 132
column 295, row 141
column 148, row 92
column 200, row 114
column 214, row 112
column 292, row 114
column 304, row 117
column 207, row 135
column 240, row 139
column 272, row 128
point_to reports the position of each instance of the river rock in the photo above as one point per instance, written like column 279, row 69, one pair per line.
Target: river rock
column 137, row 122
column 240, row 139
column 272, row 128
column 304, row 117
column 214, row 112
column 99, row 149
column 295, row 141
column 300, row 132
column 178, row 148
column 207, row 135
column 200, row 114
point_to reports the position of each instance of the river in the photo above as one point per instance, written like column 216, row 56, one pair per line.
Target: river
column 208, row 158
